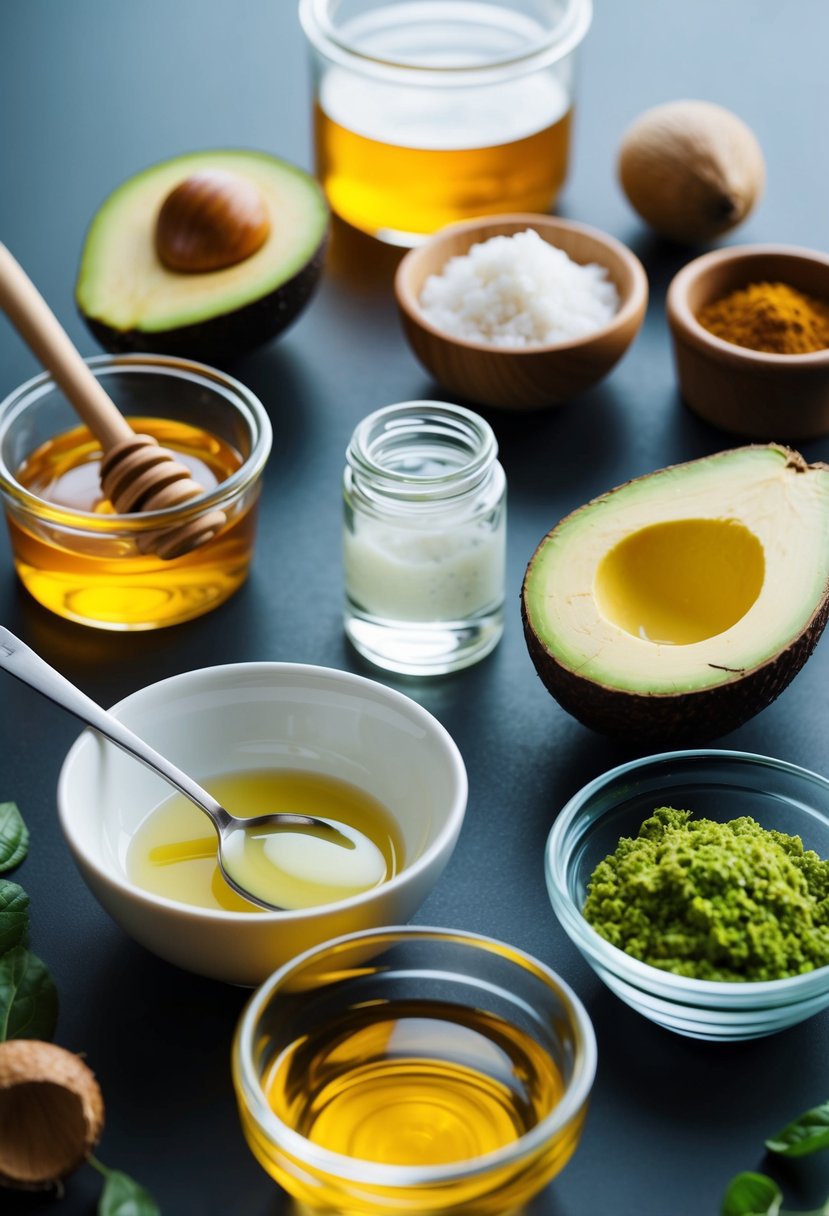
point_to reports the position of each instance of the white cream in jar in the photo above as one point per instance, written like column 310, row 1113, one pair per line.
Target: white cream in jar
column 410, row 575
column 424, row 538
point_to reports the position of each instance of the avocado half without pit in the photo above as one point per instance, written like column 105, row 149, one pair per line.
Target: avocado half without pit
column 207, row 255
column 675, row 607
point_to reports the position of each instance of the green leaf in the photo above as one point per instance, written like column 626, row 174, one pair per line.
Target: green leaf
column 14, row 836
column 808, row 1133
column 14, row 916
column 122, row 1196
column 28, row 997
column 751, row 1195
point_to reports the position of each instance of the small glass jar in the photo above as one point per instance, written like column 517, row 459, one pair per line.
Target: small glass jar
column 424, row 539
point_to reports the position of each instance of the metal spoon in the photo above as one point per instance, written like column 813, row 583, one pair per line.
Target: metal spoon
column 22, row 662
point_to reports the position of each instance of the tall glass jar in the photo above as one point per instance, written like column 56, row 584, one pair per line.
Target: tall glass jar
column 431, row 111
column 424, row 538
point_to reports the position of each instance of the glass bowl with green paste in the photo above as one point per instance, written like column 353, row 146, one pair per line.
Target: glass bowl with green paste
column 696, row 885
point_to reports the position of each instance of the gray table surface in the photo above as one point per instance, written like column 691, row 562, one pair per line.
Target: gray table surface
column 90, row 92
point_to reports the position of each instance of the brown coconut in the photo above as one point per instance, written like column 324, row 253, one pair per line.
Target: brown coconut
column 691, row 169
column 51, row 1113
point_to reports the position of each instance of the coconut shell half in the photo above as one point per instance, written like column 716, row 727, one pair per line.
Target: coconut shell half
column 51, row 1113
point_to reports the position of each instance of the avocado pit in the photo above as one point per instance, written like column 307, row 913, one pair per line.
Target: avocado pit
column 211, row 220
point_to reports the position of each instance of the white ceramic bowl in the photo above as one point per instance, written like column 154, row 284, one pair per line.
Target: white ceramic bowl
column 253, row 716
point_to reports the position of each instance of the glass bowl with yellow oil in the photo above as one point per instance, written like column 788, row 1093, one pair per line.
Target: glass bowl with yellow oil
column 88, row 564
column 414, row 1070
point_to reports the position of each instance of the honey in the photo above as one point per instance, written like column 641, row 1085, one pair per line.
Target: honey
column 173, row 853
column 387, row 188
column 413, row 1083
column 426, row 114
column 101, row 577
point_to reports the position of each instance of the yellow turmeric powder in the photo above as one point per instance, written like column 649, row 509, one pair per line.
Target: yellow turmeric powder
column 771, row 317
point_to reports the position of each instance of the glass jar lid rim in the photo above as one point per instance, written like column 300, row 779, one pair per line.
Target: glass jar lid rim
column 393, row 429
column 564, row 37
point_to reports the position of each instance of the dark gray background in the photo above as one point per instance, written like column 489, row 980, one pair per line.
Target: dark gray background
column 92, row 91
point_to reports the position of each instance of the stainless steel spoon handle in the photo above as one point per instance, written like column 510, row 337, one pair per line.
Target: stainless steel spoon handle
column 20, row 661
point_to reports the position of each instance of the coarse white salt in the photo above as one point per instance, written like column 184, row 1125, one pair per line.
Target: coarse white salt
column 518, row 291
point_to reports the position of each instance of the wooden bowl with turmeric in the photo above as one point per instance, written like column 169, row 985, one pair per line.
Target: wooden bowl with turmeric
column 750, row 328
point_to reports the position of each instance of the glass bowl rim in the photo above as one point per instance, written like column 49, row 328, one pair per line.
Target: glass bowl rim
column 354, row 1169
column 248, row 406
column 666, row 984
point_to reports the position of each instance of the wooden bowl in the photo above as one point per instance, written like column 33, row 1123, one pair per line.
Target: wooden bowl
column 533, row 377
column 774, row 398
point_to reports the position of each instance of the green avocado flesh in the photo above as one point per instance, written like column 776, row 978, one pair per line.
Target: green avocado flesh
column 131, row 301
column 690, row 579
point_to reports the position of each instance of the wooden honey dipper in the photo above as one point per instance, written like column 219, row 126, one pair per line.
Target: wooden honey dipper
column 137, row 474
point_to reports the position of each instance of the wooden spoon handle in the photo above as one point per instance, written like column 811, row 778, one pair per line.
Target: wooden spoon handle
column 137, row 473
column 47, row 339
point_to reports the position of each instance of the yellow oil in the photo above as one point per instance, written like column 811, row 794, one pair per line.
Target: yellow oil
column 416, row 1083
column 385, row 188
column 103, row 579
column 173, row 853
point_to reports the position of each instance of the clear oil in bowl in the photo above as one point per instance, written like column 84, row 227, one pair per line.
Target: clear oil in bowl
column 173, row 853
column 413, row 1083
column 414, row 1070
column 102, row 578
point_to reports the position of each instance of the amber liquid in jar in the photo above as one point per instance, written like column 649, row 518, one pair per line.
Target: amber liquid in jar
column 104, row 579
column 413, row 1083
column 384, row 188
column 440, row 112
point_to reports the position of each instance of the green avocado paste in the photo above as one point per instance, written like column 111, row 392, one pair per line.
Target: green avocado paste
column 714, row 901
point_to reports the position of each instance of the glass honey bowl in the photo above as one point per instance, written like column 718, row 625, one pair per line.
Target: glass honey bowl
column 413, row 1070
column 87, row 564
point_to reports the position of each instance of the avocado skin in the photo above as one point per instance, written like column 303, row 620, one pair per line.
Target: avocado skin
column 226, row 335
column 674, row 719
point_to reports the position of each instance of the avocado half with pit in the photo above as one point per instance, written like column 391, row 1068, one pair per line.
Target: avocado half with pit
column 207, row 255
column 675, row 607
